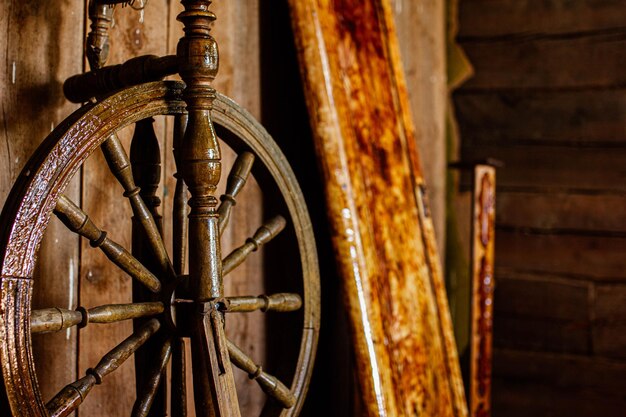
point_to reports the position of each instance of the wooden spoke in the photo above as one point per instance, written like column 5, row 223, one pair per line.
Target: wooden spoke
column 141, row 408
column 120, row 166
column 56, row 319
column 70, row 397
column 179, row 227
column 263, row 235
column 179, row 379
column 236, row 180
column 268, row 383
column 78, row 221
column 282, row 302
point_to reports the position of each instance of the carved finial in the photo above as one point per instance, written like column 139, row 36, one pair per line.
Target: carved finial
column 101, row 16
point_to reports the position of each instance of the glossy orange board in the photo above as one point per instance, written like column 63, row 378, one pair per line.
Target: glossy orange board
column 382, row 231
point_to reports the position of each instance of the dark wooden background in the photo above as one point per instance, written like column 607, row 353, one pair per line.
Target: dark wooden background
column 549, row 99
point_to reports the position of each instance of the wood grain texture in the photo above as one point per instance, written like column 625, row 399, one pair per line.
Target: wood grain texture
column 382, row 232
column 568, row 118
column 483, row 285
column 491, row 18
column 421, row 36
column 102, row 198
column 539, row 63
column 34, row 65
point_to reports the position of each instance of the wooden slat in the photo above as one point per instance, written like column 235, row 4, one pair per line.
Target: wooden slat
column 556, row 167
column 609, row 331
column 488, row 18
column 541, row 296
column 569, row 118
column 101, row 281
column 421, row 36
column 549, row 64
column 515, row 399
column 562, row 211
column 31, row 101
column 549, row 381
column 586, row 257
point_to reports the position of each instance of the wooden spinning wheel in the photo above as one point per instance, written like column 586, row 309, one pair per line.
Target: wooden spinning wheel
column 168, row 304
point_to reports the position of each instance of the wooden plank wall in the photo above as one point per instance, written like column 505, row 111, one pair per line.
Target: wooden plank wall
column 43, row 46
column 549, row 100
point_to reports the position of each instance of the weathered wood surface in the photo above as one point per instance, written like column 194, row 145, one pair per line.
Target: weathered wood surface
column 482, row 291
column 542, row 104
column 365, row 142
column 488, row 18
column 540, row 63
column 31, row 101
column 421, row 36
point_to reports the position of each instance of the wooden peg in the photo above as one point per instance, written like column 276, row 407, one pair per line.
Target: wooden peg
column 236, row 180
column 263, row 235
column 281, row 302
column 78, row 221
column 268, row 383
column 56, row 319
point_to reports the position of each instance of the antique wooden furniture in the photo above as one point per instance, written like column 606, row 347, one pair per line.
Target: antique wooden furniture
column 170, row 305
column 382, row 230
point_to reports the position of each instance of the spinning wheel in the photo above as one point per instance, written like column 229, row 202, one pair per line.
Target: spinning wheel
column 168, row 304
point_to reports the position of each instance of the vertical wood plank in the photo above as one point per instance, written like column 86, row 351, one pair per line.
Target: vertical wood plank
column 421, row 35
column 41, row 45
column 101, row 281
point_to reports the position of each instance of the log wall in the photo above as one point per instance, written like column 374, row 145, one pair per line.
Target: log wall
column 548, row 99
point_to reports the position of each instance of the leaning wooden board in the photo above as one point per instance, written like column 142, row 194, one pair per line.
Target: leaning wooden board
column 382, row 231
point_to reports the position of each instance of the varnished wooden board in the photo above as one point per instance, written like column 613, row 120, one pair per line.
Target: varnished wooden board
column 381, row 227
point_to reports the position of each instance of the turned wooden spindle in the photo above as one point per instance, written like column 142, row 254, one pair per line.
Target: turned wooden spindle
column 57, row 319
column 214, row 390
column 97, row 47
column 179, row 379
column 281, row 302
column 78, row 221
column 154, row 380
column 145, row 157
column 268, row 383
column 70, row 397
column 263, row 235
column 120, row 166
column 236, row 180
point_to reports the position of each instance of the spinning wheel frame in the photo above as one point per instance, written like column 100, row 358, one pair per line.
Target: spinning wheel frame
column 47, row 174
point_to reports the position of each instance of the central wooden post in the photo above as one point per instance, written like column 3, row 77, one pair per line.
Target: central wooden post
column 197, row 51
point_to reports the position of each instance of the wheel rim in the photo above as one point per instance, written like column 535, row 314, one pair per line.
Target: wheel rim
column 39, row 187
